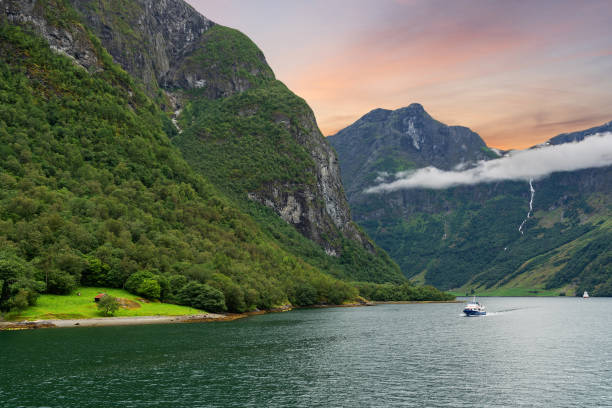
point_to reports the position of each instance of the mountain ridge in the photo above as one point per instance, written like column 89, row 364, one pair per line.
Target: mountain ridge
column 459, row 238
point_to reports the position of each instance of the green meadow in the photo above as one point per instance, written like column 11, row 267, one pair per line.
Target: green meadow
column 74, row 306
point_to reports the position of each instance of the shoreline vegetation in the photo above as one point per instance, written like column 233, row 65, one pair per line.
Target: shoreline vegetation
column 78, row 309
column 191, row 318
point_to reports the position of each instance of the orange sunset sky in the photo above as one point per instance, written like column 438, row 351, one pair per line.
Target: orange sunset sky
column 517, row 72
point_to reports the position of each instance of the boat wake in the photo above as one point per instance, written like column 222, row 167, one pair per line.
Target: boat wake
column 509, row 310
column 496, row 313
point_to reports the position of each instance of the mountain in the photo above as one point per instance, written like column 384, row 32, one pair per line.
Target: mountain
column 467, row 238
column 239, row 127
column 143, row 145
column 580, row 135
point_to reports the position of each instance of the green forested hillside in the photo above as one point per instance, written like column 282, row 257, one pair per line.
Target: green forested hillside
column 243, row 141
column 240, row 128
column 477, row 245
column 246, row 142
column 93, row 192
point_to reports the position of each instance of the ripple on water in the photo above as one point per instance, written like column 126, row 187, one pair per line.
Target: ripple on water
column 527, row 352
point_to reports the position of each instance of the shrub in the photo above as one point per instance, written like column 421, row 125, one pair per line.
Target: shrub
column 97, row 273
column 149, row 288
column 234, row 299
column 108, row 305
column 176, row 282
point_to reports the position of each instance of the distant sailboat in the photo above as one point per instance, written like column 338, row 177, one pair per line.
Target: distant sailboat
column 585, row 295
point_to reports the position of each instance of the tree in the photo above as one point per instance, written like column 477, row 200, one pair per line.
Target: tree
column 18, row 289
column 60, row 283
column 144, row 283
column 108, row 305
column 202, row 296
column 96, row 273
column 149, row 288
column 303, row 294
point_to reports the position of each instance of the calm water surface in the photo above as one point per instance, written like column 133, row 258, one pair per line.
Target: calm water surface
column 532, row 352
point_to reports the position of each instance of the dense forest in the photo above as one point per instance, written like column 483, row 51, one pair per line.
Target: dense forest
column 93, row 192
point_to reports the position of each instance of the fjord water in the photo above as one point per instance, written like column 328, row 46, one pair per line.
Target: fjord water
column 532, row 352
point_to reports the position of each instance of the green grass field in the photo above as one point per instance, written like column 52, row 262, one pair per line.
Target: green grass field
column 83, row 307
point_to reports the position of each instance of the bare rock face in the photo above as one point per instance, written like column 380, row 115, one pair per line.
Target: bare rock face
column 146, row 36
column 71, row 40
column 319, row 211
column 168, row 44
column 329, row 182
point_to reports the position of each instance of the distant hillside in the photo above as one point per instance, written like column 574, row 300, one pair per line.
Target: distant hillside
column 466, row 238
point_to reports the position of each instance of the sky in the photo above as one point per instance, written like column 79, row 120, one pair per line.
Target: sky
column 517, row 72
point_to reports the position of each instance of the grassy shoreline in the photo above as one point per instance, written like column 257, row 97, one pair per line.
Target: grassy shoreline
column 56, row 311
column 75, row 306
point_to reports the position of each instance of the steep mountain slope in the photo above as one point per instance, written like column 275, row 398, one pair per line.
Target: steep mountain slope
column 467, row 237
column 239, row 127
column 93, row 191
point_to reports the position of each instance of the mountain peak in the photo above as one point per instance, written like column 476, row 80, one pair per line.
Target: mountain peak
column 387, row 142
column 380, row 115
column 376, row 115
column 415, row 107
column 414, row 110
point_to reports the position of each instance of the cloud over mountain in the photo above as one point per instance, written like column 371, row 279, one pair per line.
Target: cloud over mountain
column 537, row 163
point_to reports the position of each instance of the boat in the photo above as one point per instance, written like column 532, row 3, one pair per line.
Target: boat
column 585, row 295
column 474, row 308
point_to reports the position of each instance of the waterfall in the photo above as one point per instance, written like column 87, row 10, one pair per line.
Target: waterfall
column 532, row 190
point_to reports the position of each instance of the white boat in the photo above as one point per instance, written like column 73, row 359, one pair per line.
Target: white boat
column 585, row 295
column 474, row 308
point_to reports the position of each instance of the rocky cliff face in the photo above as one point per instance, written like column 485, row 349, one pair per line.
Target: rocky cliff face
column 147, row 36
column 317, row 209
column 70, row 39
column 166, row 43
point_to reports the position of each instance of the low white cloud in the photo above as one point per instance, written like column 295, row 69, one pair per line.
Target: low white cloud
column 593, row 151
